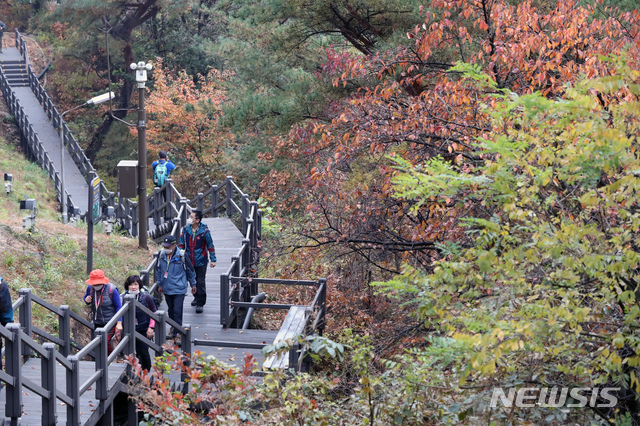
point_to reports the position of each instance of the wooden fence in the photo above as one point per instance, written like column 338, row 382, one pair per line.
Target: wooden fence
column 166, row 206
column 65, row 350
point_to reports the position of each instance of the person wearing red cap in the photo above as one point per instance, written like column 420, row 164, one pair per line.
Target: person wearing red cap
column 105, row 302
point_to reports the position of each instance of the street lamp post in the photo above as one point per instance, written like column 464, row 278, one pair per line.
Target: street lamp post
column 93, row 101
column 141, row 77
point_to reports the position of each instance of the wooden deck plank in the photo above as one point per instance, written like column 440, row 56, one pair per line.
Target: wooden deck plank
column 227, row 240
column 292, row 327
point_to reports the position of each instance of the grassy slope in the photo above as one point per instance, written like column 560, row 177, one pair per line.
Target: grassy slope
column 52, row 259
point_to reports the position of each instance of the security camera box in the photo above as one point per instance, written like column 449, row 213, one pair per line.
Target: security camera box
column 29, row 204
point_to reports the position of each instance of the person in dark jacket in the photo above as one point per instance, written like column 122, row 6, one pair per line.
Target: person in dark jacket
column 2, row 28
column 6, row 308
column 174, row 273
column 144, row 324
column 196, row 240
column 105, row 302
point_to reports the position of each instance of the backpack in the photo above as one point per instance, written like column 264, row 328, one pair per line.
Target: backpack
column 160, row 174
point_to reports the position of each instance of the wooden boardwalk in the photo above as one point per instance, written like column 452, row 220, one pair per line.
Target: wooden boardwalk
column 227, row 240
column 75, row 183
column 89, row 405
column 204, row 327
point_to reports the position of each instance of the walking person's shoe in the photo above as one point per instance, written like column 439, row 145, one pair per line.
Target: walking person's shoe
column 199, row 309
column 193, row 303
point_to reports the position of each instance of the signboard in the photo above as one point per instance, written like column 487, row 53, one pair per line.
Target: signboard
column 96, row 198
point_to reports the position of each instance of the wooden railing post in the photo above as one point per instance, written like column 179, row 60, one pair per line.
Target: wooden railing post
column 245, row 213
column 25, row 319
column 134, row 219
column 170, row 196
column 64, row 330
column 48, row 378
column 101, row 365
column 229, row 195
column 246, row 256
column 129, row 323
column 13, row 354
column 73, row 391
column 127, row 213
column 184, row 215
column 214, row 201
column 224, row 300
column 237, row 287
column 323, row 305
column 157, row 201
column 201, row 201
column 186, row 349
column 160, row 330
column 293, row 356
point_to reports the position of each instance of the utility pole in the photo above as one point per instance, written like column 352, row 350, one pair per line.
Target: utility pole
column 141, row 77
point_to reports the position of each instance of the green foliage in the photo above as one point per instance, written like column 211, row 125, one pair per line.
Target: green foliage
column 544, row 288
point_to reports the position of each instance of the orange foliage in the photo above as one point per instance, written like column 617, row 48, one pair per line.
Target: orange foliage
column 420, row 110
column 183, row 119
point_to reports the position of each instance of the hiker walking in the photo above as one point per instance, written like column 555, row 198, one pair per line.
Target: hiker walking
column 174, row 272
column 105, row 302
column 196, row 240
column 6, row 308
column 144, row 324
column 162, row 168
column 2, row 28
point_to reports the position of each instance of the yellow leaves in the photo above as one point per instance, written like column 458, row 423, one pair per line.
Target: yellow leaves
column 618, row 341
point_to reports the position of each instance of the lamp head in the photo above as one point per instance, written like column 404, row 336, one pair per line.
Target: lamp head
column 101, row 98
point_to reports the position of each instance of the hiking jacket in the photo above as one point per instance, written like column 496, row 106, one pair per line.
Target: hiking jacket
column 104, row 303
column 6, row 309
column 198, row 246
column 142, row 319
column 180, row 273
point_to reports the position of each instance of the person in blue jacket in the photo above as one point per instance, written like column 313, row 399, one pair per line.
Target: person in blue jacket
column 196, row 240
column 6, row 308
column 174, row 273
column 162, row 168
column 166, row 167
column 105, row 302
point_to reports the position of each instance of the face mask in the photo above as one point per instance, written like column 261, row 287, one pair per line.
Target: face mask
column 135, row 293
column 189, row 221
column 98, row 287
column 168, row 251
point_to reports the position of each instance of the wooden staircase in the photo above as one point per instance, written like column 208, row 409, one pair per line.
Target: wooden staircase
column 15, row 71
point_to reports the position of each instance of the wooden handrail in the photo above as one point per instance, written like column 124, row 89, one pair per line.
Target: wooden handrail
column 18, row 335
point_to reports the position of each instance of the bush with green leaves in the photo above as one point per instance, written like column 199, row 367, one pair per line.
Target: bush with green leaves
column 543, row 288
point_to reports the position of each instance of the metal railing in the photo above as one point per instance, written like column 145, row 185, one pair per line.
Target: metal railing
column 20, row 345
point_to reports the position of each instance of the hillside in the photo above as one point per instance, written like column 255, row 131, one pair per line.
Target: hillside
column 51, row 260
